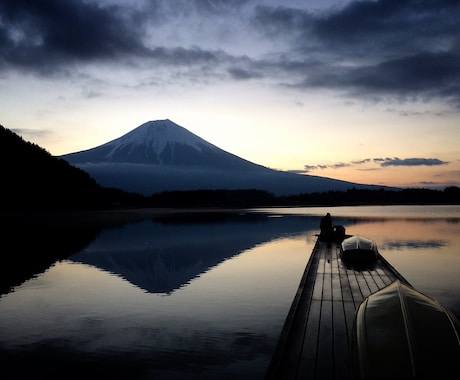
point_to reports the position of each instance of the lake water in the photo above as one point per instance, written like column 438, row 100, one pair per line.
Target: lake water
column 195, row 296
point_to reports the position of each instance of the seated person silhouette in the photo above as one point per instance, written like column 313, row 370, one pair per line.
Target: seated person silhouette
column 327, row 231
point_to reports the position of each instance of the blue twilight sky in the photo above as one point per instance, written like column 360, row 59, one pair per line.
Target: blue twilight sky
column 366, row 91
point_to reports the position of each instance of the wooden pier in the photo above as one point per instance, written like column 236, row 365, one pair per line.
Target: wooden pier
column 315, row 338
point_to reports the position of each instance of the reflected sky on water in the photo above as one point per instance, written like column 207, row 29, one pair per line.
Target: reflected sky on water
column 199, row 297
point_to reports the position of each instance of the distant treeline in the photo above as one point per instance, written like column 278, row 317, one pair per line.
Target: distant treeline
column 259, row 198
column 410, row 196
column 32, row 179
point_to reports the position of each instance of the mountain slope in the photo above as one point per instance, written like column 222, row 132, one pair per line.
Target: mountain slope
column 163, row 156
column 161, row 143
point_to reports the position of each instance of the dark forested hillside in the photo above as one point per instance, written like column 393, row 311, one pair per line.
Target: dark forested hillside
column 33, row 179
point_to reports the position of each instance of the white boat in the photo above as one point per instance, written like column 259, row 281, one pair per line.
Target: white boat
column 358, row 248
column 400, row 333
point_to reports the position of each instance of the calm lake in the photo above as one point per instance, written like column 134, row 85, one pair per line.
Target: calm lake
column 193, row 296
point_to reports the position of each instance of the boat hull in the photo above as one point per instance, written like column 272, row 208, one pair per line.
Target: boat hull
column 358, row 248
column 400, row 333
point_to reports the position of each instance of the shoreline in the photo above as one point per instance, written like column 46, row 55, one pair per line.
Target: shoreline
column 22, row 217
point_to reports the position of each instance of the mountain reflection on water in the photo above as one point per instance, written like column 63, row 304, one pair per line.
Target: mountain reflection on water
column 161, row 255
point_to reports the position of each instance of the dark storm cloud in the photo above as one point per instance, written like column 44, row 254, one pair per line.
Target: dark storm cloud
column 52, row 36
column 48, row 36
column 425, row 75
column 388, row 27
column 49, row 32
column 406, row 48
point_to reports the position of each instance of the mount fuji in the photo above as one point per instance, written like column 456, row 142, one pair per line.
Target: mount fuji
column 163, row 156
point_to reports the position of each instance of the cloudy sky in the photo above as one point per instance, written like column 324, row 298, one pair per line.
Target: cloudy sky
column 366, row 91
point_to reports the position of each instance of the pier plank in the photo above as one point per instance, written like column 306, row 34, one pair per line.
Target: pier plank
column 324, row 361
column 315, row 338
column 309, row 353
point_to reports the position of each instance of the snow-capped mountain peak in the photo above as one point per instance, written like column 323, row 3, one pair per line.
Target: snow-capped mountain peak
column 154, row 137
column 159, row 142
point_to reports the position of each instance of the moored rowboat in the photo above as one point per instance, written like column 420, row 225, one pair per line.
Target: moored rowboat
column 400, row 333
column 357, row 248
